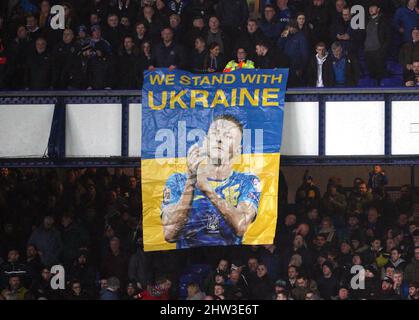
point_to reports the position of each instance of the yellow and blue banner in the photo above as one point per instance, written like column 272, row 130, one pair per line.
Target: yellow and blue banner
column 210, row 157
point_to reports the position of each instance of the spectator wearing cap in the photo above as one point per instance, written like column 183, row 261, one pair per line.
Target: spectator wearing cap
column 130, row 292
column 411, row 77
column 83, row 270
column 100, row 66
column 412, row 269
column 345, row 67
column 405, row 19
column 328, row 283
column 377, row 42
column 168, row 53
column 320, row 68
column 83, row 37
column 410, row 51
column 233, row 15
column 269, row 58
column 250, row 38
column 387, row 291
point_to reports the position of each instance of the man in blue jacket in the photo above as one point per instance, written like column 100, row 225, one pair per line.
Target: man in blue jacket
column 406, row 19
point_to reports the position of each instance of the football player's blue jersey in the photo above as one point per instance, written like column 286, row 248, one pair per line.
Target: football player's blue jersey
column 206, row 226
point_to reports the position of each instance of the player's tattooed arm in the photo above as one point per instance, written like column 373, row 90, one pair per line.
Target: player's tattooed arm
column 175, row 216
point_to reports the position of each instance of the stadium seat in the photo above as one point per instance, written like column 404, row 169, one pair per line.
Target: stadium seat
column 200, row 269
column 367, row 82
column 396, row 81
column 394, row 68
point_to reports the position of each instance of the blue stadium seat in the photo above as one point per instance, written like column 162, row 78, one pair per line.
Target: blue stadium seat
column 394, row 68
column 184, row 280
column 396, row 81
column 200, row 269
column 367, row 82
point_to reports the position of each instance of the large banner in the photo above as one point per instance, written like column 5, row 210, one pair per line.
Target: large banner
column 210, row 157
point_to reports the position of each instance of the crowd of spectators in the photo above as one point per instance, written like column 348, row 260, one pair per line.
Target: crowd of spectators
column 89, row 221
column 107, row 44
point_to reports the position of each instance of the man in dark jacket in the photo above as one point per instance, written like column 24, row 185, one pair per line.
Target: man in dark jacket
column 19, row 49
column 318, row 17
column 13, row 267
column 267, row 58
column 296, row 48
column 39, row 67
column 216, row 34
column 233, row 15
column 74, row 236
column 377, row 41
column 341, row 30
column 345, row 67
column 113, row 33
column 411, row 77
column 410, row 51
column 320, row 68
column 168, row 54
column 269, row 24
column 249, row 38
column 63, row 53
column 327, row 283
column 129, row 67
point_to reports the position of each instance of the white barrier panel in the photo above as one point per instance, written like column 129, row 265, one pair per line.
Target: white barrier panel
column 405, row 127
column 93, row 130
column 300, row 135
column 134, row 130
column 355, row 128
column 24, row 130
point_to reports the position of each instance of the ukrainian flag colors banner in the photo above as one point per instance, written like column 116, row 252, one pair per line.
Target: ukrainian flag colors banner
column 210, row 157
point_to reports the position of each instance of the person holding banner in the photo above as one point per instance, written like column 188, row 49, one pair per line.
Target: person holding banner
column 211, row 204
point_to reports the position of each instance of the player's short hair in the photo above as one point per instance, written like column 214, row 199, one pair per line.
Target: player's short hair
column 230, row 118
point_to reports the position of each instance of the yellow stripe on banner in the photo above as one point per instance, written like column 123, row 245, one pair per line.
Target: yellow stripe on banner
column 155, row 173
